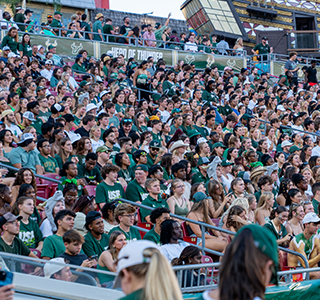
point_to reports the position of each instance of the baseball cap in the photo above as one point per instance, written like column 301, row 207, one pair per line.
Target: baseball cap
column 40, row 88
column 102, row 149
column 11, row 54
column 91, row 216
column 29, row 115
column 264, row 38
column 8, row 217
column 311, row 217
column 53, row 266
column 203, row 161
column 57, row 13
column 49, row 62
column 91, row 106
column 245, row 176
column 219, row 144
column 154, row 144
column 6, row 48
column 294, row 149
column 226, row 163
column 55, row 108
column 49, row 16
column 51, row 47
column 176, row 110
column 104, row 93
column 265, row 241
column 286, row 144
column 201, row 140
column 25, row 137
column 199, row 196
column 28, row 11
column 83, row 83
column 6, row 112
column 79, row 55
column 142, row 168
column 281, row 108
column 157, row 25
column 131, row 255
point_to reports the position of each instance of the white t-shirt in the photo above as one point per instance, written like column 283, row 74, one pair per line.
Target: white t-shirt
column 165, row 115
column 316, row 151
column 171, row 251
column 46, row 228
column 190, row 47
column 95, row 144
column 15, row 130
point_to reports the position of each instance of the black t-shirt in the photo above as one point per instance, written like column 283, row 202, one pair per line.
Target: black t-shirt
column 82, row 132
column 124, row 29
column 77, row 260
column 312, row 75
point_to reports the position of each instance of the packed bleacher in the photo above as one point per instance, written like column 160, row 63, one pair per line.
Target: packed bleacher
column 224, row 148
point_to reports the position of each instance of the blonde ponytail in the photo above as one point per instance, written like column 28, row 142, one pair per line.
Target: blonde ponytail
column 161, row 282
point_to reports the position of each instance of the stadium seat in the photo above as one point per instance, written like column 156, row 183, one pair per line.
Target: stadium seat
column 36, row 252
column 91, row 189
column 43, row 190
column 184, row 229
column 54, row 93
column 69, row 94
column 190, row 239
column 52, row 185
column 139, row 216
column 144, row 225
column 70, row 63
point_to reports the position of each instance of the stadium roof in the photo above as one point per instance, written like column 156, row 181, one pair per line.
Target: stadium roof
column 89, row 4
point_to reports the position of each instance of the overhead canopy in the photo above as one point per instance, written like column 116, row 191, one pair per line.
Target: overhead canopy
column 89, row 4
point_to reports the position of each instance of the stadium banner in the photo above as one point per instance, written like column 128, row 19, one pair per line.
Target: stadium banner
column 71, row 47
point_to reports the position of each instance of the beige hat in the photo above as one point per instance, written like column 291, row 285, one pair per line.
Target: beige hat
column 6, row 112
column 178, row 144
column 98, row 16
column 257, row 171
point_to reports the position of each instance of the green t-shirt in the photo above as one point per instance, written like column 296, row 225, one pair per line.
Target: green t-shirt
column 60, row 162
column 127, row 175
column 149, row 201
column 203, row 131
column 30, row 234
column 136, row 295
column 107, row 30
column 26, row 49
column 97, row 25
column 107, row 193
column 120, row 108
column 20, row 18
column 10, row 42
column 49, row 163
column 56, row 24
column 151, row 235
column 150, row 161
column 315, row 205
column 26, row 159
column 45, row 115
column 53, row 246
column 17, row 247
column 92, row 246
column 262, row 49
column 168, row 88
column 77, row 67
column 131, row 236
column 198, row 177
column 278, row 235
column 135, row 192
column 37, row 125
column 92, row 175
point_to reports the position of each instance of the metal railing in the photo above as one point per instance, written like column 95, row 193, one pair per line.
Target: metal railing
column 136, row 41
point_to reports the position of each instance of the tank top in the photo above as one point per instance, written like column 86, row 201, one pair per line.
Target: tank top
column 308, row 244
column 181, row 211
column 103, row 278
column 142, row 79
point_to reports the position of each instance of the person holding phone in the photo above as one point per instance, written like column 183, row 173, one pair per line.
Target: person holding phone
column 6, row 292
column 292, row 66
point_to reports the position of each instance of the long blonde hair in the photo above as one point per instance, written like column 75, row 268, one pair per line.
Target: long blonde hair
column 157, row 286
column 263, row 201
column 242, row 201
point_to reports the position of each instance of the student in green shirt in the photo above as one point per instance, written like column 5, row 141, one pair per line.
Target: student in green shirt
column 48, row 163
column 25, row 46
column 11, row 40
column 108, row 29
column 153, row 200
column 89, row 171
column 154, row 148
column 95, row 241
column 56, row 22
column 109, row 189
column 53, row 245
column 124, row 214
column 78, row 66
column 29, row 233
column 157, row 216
column 136, row 191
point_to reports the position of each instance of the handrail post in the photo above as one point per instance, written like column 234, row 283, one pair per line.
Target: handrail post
column 203, row 239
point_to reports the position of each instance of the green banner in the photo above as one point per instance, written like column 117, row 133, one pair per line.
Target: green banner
column 71, row 47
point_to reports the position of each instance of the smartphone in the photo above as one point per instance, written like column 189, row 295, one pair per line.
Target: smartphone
column 5, row 278
column 94, row 257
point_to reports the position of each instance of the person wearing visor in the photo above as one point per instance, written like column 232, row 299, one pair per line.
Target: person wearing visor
column 140, row 269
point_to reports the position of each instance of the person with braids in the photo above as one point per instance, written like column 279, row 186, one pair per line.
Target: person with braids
column 68, row 174
column 249, row 264
column 70, row 194
column 285, row 185
column 140, row 273
column 81, row 208
column 108, row 257
column 190, row 255
column 5, row 199
column 275, row 225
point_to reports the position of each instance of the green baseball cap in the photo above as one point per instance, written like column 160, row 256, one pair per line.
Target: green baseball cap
column 40, row 88
column 155, row 144
column 266, row 243
column 133, row 66
column 226, row 163
column 122, row 72
column 219, row 144
column 199, row 196
column 294, row 149
column 51, row 47
column 203, row 161
column 103, row 149
column 193, row 133
column 83, row 83
column 142, row 168
column 57, row 13
column 114, row 76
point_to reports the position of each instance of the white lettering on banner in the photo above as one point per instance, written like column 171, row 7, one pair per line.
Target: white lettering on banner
column 143, row 55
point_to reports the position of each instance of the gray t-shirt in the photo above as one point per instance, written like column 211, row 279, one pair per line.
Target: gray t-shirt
column 290, row 65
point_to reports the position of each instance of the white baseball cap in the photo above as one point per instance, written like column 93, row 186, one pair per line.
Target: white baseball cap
column 53, row 266
column 131, row 255
column 201, row 140
column 281, row 108
column 286, row 144
column 311, row 217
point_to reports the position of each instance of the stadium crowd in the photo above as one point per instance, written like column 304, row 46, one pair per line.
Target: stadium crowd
column 219, row 147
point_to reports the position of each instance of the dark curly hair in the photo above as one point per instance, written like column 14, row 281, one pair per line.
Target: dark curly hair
column 2, row 134
column 19, row 178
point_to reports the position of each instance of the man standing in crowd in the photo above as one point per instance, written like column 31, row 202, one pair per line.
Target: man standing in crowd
column 262, row 49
